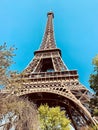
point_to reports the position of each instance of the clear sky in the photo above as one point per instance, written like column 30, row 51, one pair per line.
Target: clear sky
column 22, row 23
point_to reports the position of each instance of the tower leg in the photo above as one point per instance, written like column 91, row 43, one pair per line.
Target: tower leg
column 70, row 116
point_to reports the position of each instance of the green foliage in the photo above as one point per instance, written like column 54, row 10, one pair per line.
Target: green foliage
column 96, row 112
column 94, row 85
column 53, row 118
column 94, row 82
column 95, row 60
column 94, row 77
column 6, row 55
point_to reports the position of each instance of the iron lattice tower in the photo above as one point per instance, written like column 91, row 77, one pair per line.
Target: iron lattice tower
column 50, row 81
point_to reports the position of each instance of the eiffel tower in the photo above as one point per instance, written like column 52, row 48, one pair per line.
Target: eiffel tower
column 51, row 82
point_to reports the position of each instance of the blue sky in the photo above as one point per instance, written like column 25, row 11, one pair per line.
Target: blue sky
column 22, row 23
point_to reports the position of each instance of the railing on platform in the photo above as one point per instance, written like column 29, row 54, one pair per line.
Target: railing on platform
column 51, row 74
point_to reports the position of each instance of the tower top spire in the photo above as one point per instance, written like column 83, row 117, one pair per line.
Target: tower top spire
column 50, row 13
column 48, row 41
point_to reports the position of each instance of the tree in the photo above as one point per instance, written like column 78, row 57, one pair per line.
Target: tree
column 6, row 55
column 53, row 118
column 94, row 85
column 17, row 112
